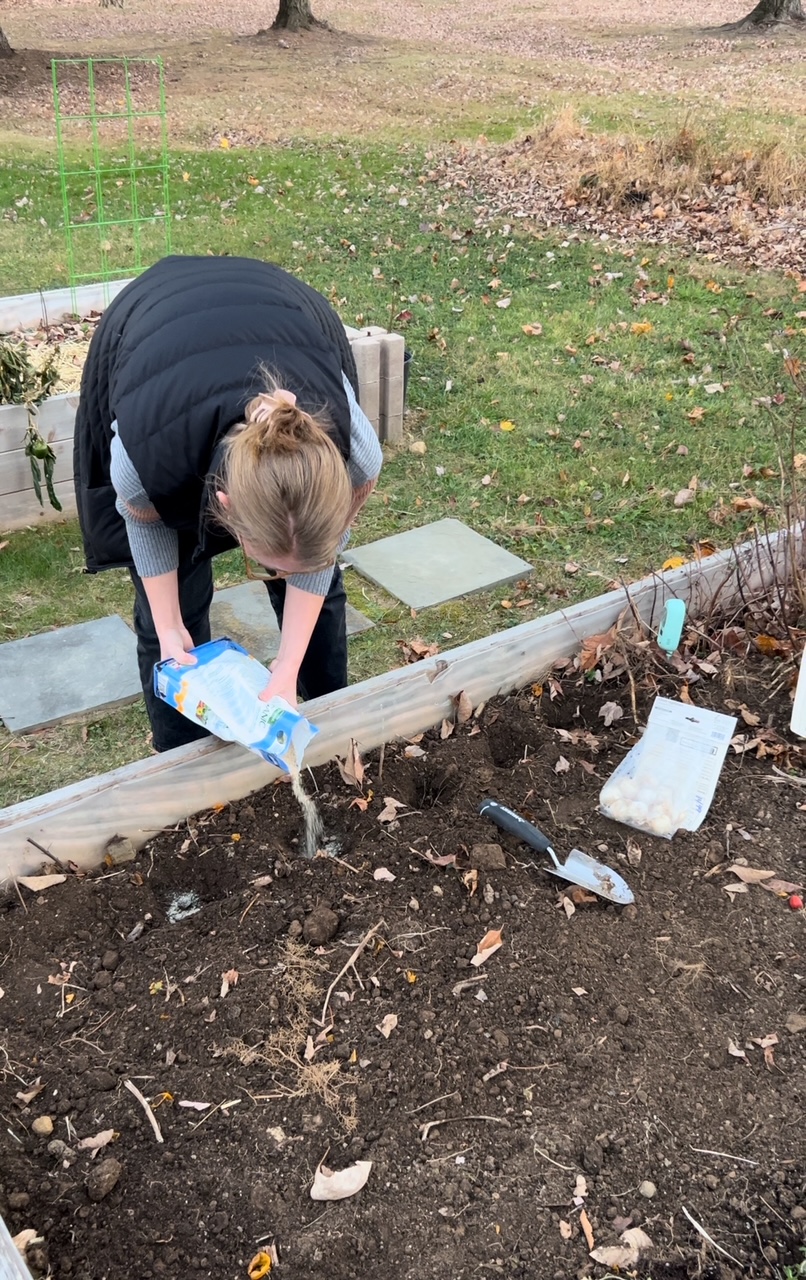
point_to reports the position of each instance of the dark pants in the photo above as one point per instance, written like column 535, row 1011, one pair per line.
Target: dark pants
column 324, row 667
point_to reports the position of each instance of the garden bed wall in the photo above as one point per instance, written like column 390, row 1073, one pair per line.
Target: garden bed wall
column 140, row 799
column 379, row 358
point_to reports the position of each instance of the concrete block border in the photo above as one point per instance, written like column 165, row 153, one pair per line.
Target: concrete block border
column 379, row 359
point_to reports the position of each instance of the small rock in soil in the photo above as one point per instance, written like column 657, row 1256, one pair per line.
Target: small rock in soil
column 487, row 857
column 592, row 1158
column 42, row 1126
column 104, row 1178
column 622, row 1014
column 647, row 1189
column 19, row 1200
column 110, row 960
column 320, row 926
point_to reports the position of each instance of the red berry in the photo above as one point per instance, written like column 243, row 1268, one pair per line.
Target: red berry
column 796, row 902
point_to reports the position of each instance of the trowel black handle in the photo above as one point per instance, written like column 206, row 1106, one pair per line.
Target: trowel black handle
column 512, row 822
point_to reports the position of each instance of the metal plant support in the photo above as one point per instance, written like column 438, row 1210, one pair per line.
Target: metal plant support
column 112, row 144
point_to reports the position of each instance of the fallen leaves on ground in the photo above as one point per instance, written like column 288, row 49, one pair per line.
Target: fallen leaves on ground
column 610, row 712
column 634, row 1242
column 97, row 1142
column 387, row 1026
column 229, row 978
column 390, row 809
column 417, row 649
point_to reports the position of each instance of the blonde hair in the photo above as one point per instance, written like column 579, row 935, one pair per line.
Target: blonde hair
column 288, row 487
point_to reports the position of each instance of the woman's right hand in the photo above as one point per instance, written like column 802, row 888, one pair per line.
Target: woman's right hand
column 174, row 643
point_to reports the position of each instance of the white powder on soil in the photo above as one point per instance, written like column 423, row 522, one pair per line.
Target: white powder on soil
column 314, row 826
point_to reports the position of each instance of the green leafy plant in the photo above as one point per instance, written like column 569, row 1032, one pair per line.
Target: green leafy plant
column 21, row 382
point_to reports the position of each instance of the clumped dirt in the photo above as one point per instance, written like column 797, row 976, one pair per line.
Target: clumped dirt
column 589, row 1056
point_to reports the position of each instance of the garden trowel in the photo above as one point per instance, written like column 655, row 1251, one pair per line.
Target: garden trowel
column 579, row 868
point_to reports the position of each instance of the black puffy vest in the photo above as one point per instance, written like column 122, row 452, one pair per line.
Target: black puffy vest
column 175, row 359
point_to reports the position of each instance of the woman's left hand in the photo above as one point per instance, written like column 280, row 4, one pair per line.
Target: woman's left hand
column 283, row 684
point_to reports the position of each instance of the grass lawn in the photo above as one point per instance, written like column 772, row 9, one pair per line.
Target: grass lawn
column 565, row 392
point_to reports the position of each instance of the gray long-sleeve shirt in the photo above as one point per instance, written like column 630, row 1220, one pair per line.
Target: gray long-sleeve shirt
column 155, row 547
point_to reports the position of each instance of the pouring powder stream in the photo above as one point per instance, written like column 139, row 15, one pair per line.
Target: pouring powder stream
column 314, row 826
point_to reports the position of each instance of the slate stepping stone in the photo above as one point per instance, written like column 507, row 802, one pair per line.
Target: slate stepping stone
column 59, row 675
column 245, row 615
column 436, row 563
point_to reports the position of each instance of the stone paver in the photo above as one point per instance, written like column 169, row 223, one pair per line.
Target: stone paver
column 62, row 674
column 436, row 563
column 245, row 615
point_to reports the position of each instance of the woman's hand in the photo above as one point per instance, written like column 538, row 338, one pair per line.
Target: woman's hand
column 283, row 684
column 174, row 643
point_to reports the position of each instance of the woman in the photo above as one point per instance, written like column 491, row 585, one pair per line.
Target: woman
column 218, row 406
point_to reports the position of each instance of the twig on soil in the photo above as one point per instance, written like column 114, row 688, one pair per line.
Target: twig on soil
column 152, row 1119
column 442, row 1098
column 703, row 1151
column 426, row 1128
column 569, row 1168
column 19, row 895
column 366, row 938
column 697, row 1227
column 47, row 854
column 787, row 777
column 248, row 909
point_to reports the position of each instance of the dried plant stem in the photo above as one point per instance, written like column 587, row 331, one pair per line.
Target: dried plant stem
column 366, row 938
column 144, row 1103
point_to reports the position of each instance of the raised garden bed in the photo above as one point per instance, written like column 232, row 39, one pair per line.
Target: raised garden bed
column 625, row 1064
column 36, row 318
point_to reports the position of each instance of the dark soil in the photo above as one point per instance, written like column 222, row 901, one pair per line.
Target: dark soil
column 600, row 1048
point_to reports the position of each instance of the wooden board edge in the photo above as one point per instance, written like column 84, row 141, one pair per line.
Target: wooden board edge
column 141, row 799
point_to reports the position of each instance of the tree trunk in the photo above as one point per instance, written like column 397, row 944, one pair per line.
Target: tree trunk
column 768, row 13
column 6, row 50
column 295, row 15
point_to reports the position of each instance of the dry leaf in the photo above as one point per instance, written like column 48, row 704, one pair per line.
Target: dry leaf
column 641, row 327
column 635, row 1241
column 532, row 330
column 580, row 1186
column 352, row 768
column 95, row 1143
column 229, row 978
column 360, row 802
column 464, row 707
column 634, row 853
column 446, row 729
column 683, row 497
column 383, row 873
column 580, row 897
column 390, row 807
column 416, row 650
column 413, row 752
column 38, row 883
column 328, row 1185
column 27, row 1097
column 388, row 1025
column 738, row 886
column 610, row 712
column 310, row 1049
column 572, row 567
column 22, row 1239
column 735, row 1051
column 584, row 1222
column 565, row 904
column 489, row 944
column 565, row 1229
column 562, row 765
column 750, row 875
column 193, row 1106
column 782, row 888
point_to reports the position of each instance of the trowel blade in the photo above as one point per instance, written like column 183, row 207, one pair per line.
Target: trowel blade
column 579, row 868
